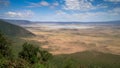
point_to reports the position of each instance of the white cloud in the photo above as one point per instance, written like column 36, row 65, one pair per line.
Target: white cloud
column 43, row 4
column 39, row 4
column 82, row 5
column 113, row 0
column 78, row 5
column 56, row 4
column 89, row 16
column 19, row 14
column 53, row 5
column 115, row 11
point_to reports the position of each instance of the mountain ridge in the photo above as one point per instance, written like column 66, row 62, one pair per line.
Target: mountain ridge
column 25, row 22
column 13, row 30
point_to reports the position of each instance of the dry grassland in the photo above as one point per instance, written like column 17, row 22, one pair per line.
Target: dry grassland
column 67, row 41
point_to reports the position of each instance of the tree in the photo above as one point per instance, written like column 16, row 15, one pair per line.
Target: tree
column 45, row 55
column 33, row 54
column 29, row 53
column 5, row 49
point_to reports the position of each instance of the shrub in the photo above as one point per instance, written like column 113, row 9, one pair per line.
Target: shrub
column 33, row 54
column 38, row 65
column 5, row 49
column 29, row 53
column 45, row 56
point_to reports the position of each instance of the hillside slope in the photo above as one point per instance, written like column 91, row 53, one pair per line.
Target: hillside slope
column 13, row 30
column 88, row 59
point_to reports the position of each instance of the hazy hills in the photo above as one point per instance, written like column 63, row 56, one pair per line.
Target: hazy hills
column 25, row 22
column 13, row 30
column 18, row 22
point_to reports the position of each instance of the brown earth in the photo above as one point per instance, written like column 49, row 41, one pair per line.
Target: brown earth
column 67, row 41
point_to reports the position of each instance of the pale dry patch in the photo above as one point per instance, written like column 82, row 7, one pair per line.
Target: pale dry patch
column 64, row 49
column 114, row 49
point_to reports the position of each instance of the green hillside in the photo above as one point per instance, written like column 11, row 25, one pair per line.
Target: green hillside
column 13, row 30
column 87, row 59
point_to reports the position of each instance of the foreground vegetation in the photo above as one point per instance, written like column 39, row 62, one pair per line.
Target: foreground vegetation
column 30, row 56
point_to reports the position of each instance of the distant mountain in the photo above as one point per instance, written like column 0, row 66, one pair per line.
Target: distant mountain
column 18, row 22
column 13, row 30
column 26, row 22
column 85, row 23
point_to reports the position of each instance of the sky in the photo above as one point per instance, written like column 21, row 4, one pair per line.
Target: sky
column 61, row 10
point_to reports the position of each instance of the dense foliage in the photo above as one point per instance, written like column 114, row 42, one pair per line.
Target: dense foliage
column 5, row 49
column 30, row 57
column 33, row 54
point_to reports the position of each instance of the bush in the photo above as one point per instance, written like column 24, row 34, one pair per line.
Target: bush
column 29, row 53
column 45, row 56
column 2, row 62
column 5, row 49
column 18, row 63
column 33, row 54
column 38, row 65
column 69, row 63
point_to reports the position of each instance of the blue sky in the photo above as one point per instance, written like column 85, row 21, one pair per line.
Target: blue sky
column 61, row 10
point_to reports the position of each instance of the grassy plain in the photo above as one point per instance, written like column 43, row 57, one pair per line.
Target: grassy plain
column 67, row 41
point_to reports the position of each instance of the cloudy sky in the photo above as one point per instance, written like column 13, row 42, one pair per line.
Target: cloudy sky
column 61, row 10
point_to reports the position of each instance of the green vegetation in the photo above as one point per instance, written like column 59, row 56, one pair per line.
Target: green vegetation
column 29, row 57
column 5, row 49
column 30, row 53
column 13, row 30
column 33, row 54
column 87, row 59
